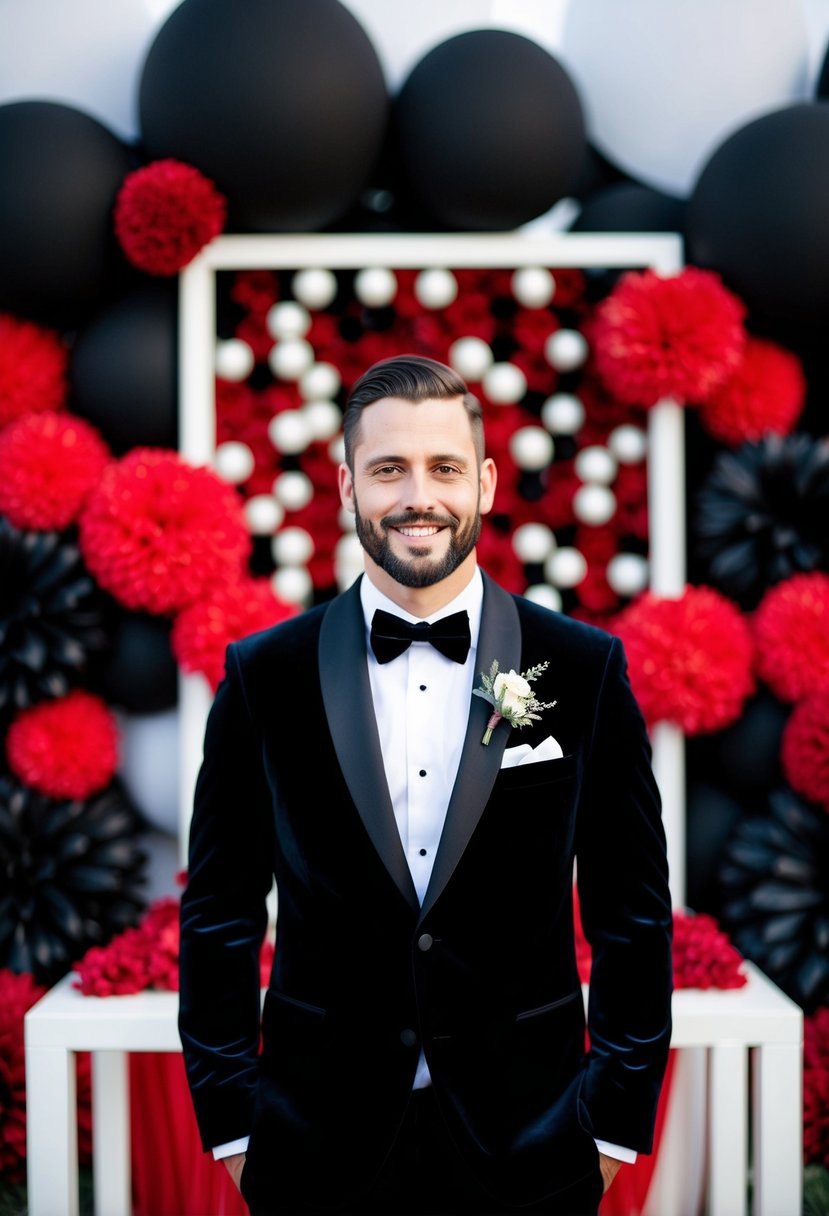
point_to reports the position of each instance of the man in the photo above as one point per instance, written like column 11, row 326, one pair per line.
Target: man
column 423, row 1042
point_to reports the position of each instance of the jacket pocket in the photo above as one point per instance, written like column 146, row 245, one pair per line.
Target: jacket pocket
column 525, row 1014
column 543, row 772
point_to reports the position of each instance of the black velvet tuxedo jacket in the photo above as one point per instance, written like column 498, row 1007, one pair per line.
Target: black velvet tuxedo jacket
column 483, row 976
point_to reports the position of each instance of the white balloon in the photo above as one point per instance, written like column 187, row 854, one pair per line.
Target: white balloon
column 531, row 447
column 324, row 418
column 566, row 567
column 504, row 383
column 234, row 462
column 288, row 319
column 435, row 288
column 263, row 514
column 292, row 547
column 563, row 414
column 664, row 84
column 533, row 542
column 348, row 560
column 628, row 443
column 595, row 463
column 314, row 287
column 336, row 449
column 290, row 358
column 234, row 359
column 533, row 286
column 293, row 490
column 594, row 504
column 544, row 594
column 149, row 766
column 289, row 432
column 375, row 286
column 292, row 584
column 627, row 573
column 470, row 357
column 566, row 349
column 321, row 382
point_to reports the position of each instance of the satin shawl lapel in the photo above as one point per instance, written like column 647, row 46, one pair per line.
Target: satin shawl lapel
column 499, row 638
column 346, row 694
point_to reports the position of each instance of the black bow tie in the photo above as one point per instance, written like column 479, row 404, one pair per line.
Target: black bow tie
column 390, row 635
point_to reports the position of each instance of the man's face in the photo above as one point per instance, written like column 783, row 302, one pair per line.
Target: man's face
column 416, row 492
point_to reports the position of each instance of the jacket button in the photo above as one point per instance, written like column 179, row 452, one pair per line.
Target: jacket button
column 408, row 1038
column 425, row 941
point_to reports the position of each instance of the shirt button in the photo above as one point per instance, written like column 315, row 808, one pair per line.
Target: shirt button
column 425, row 941
column 422, row 772
column 422, row 687
column 408, row 1038
column 422, row 852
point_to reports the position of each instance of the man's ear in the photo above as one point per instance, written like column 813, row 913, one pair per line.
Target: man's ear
column 488, row 482
column 345, row 483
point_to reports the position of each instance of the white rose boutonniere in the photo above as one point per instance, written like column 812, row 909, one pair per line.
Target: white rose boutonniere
column 511, row 696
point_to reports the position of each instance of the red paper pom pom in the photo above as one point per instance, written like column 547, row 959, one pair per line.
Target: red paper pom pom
column 678, row 337
column 202, row 632
column 816, row 1088
column 791, row 632
column 33, row 363
column 165, row 213
column 703, row 955
column 67, row 748
column 49, row 463
column 157, row 532
column 17, row 995
column 804, row 751
column 765, row 393
column 690, row 658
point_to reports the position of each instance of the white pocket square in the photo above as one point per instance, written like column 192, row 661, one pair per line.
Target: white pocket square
column 548, row 749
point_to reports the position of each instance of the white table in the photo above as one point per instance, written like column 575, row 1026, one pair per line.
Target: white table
column 752, row 1038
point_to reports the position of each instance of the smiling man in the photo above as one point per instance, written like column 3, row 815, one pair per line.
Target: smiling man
column 423, row 1047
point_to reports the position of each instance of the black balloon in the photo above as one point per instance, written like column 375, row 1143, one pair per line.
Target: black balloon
column 123, row 369
column 757, row 213
column 60, row 172
column 491, row 130
column 139, row 672
column 630, row 207
column 282, row 105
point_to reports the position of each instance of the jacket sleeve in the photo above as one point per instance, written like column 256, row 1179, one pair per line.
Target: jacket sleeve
column 625, row 905
column 224, row 917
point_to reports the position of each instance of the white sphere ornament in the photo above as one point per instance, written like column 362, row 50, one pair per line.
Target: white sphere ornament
column 234, row 462
column 533, row 542
column 627, row 574
column 315, row 287
column 263, row 514
column 348, row 560
column 336, row 449
column 594, row 504
column 504, row 383
column 563, row 414
column 290, row 358
column 544, row 594
column 234, row 359
column 292, row 585
column 533, row 286
column 375, row 286
column 289, row 432
column 435, row 288
column 288, row 319
column 566, row 349
column 292, row 547
column 293, row 490
column 321, row 382
column 346, row 520
column 566, row 567
column 532, row 448
column 470, row 357
column 595, row 463
column 324, row 418
column 628, row 443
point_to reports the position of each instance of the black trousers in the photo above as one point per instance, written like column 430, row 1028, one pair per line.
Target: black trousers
column 424, row 1175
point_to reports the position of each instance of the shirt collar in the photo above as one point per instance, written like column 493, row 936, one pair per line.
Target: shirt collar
column 471, row 598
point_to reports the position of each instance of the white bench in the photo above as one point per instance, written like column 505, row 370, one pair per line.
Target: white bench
column 750, row 1038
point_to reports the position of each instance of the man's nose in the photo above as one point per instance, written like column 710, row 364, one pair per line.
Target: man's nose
column 419, row 491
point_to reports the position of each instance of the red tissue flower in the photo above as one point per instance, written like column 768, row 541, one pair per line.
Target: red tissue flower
column 804, row 751
column 17, row 995
column 816, row 1088
column 49, row 462
column 765, row 393
column 703, row 955
column 690, row 658
column 791, row 632
column 202, row 632
column 157, row 533
column 67, row 748
column 33, row 364
column 165, row 213
column 678, row 337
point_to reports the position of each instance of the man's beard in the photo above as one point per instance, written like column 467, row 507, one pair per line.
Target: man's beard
column 415, row 570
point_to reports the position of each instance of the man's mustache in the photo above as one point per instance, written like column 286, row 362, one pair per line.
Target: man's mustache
column 412, row 520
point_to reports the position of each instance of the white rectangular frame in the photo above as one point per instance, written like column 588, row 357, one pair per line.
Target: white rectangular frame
column 666, row 446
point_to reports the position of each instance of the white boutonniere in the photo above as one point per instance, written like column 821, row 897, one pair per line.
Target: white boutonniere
column 511, row 696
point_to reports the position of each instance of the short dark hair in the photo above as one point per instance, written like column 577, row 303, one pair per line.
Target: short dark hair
column 412, row 378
